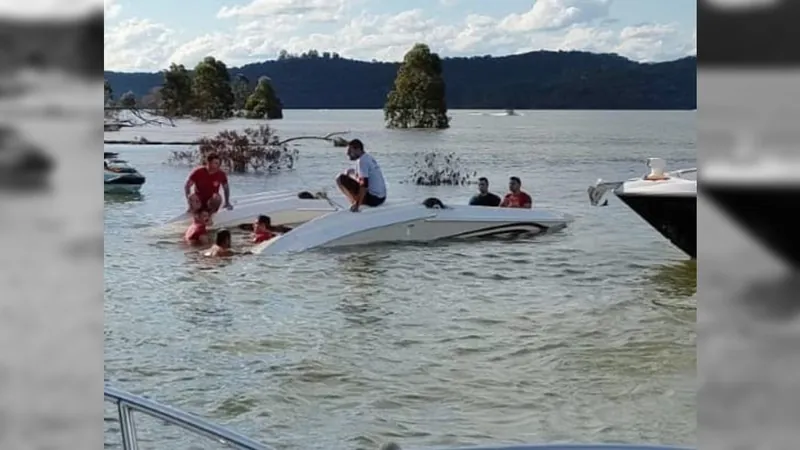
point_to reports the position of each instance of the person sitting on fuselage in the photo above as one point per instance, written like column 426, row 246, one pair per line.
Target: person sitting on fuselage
column 369, row 186
column 484, row 197
column 516, row 198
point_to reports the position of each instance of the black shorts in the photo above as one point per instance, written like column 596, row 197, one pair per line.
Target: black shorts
column 352, row 186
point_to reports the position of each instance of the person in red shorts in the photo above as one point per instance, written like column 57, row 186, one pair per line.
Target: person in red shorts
column 197, row 233
column 207, row 180
column 516, row 198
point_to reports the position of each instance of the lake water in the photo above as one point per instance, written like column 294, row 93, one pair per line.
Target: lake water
column 583, row 335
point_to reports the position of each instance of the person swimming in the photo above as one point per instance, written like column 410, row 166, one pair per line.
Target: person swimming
column 222, row 245
column 262, row 230
column 197, row 233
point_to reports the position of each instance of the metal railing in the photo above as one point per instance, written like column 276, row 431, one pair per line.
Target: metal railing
column 127, row 403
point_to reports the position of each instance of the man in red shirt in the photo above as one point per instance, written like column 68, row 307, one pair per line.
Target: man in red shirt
column 207, row 180
column 516, row 198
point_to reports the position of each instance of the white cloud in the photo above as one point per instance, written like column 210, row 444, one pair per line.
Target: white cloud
column 549, row 24
column 111, row 9
column 556, row 14
column 305, row 10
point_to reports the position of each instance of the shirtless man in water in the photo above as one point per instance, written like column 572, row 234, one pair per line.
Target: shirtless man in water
column 207, row 180
column 222, row 245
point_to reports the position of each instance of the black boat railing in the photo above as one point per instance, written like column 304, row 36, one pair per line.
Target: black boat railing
column 127, row 403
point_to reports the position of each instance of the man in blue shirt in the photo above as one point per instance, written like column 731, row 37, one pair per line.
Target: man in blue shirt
column 368, row 187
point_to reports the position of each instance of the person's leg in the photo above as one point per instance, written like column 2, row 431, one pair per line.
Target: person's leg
column 214, row 203
column 373, row 201
column 348, row 186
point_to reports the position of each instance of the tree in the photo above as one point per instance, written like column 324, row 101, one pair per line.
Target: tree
column 264, row 102
column 417, row 99
column 127, row 100
column 241, row 91
column 176, row 91
column 211, row 90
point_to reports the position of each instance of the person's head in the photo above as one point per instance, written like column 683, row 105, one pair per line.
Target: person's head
column 483, row 185
column 202, row 216
column 514, row 184
column 224, row 239
column 355, row 149
column 263, row 223
column 212, row 162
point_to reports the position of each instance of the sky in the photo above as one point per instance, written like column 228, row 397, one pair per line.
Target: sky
column 147, row 35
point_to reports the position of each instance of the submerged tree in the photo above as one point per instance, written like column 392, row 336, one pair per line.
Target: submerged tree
column 211, row 88
column 417, row 99
column 127, row 100
column 264, row 102
column 241, row 91
column 108, row 93
column 176, row 91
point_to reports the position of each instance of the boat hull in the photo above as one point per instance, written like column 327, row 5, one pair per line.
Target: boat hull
column 406, row 223
column 673, row 216
column 768, row 210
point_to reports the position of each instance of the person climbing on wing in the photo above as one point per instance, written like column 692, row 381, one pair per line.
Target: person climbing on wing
column 368, row 187
column 484, row 197
column 516, row 198
column 207, row 180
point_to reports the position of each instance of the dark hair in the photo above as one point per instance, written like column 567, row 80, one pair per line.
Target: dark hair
column 222, row 236
column 202, row 210
column 482, row 179
column 515, row 179
column 211, row 157
column 356, row 144
column 265, row 220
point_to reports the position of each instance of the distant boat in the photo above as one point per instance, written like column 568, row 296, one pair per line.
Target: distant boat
column 510, row 112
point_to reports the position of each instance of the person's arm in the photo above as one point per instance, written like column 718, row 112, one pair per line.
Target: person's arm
column 187, row 187
column 527, row 201
column 226, row 190
column 495, row 200
column 504, row 203
column 473, row 201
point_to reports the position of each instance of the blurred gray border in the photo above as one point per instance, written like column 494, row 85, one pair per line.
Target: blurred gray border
column 51, row 305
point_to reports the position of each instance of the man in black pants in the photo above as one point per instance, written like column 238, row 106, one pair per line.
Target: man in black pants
column 484, row 197
column 368, row 187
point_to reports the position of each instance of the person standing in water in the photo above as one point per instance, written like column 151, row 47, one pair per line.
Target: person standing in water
column 207, row 180
column 368, row 187
column 484, row 197
column 197, row 233
column 516, row 198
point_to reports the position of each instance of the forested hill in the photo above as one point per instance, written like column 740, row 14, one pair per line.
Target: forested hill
column 537, row 80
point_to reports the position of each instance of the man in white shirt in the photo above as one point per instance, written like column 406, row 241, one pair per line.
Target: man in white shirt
column 368, row 187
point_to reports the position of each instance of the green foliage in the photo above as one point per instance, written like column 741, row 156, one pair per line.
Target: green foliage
column 241, row 91
column 417, row 99
column 176, row 91
column 254, row 149
column 264, row 102
column 534, row 80
column 211, row 90
column 127, row 100
column 436, row 169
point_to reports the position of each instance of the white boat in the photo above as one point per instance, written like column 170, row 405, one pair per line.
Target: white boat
column 406, row 222
column 119, row 176
column 665, row 200
column 763, row 195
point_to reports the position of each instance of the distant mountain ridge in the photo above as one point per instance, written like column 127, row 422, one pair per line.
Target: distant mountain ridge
column 536, row 80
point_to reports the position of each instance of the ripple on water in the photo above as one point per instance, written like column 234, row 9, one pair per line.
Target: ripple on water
column 552, row 338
